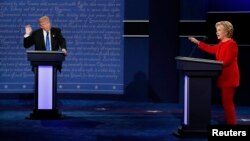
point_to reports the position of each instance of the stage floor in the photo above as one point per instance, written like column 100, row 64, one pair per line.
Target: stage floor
column 101, row 120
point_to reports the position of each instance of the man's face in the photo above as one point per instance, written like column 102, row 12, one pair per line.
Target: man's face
column 45, row 25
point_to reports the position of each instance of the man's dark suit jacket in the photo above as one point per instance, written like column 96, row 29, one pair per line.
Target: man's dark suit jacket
column 36, row 38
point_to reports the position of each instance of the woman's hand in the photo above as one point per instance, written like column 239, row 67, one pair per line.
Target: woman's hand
column 194, row 40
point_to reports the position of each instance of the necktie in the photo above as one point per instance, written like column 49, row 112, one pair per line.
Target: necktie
column 47, row 42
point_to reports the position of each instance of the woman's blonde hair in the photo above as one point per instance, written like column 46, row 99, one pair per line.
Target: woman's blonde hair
column 228, row 27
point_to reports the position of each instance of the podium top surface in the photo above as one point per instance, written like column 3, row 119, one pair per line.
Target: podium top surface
column 45, row 57
column 43, row 52
column 201, row 60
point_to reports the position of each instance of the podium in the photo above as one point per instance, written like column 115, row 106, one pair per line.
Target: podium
column 198, row 74
column 45, row 65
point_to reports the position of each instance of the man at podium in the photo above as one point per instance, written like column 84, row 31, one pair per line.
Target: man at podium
column 46, row 38
column 46, row 60
column 225, row 51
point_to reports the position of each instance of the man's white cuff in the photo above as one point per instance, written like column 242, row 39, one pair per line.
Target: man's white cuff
column 26, row 35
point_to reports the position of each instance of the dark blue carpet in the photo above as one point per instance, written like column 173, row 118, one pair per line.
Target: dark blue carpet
column 96, row 120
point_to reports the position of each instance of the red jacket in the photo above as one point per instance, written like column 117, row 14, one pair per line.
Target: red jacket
column 226, row 52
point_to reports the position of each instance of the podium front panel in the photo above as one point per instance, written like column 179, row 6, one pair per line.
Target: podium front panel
column 45, row 87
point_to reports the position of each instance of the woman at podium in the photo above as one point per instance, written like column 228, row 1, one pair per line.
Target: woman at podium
column 226, row 51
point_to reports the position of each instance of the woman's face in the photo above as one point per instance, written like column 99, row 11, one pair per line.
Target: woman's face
column 220, row 32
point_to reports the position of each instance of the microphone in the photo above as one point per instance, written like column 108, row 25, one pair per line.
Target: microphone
column 203, row 38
